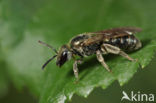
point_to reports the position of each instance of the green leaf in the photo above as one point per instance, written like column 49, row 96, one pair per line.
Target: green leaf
column 24, row 22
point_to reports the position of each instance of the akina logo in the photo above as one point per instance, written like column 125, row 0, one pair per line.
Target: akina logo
column 138, row 97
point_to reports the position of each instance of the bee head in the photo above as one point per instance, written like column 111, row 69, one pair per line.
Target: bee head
column 64, row 54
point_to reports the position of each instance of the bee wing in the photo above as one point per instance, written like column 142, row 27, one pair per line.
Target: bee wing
column 111, row 33
column 118, row 32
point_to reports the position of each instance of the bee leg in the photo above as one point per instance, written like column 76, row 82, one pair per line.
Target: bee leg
column 101, row 60
column 75, row 69
column 115, row 50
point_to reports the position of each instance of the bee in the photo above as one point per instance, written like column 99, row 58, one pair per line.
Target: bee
column 112, row 41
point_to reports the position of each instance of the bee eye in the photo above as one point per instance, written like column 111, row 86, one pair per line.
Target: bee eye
column 62, row 59
column 64, row 56
column 64, row 53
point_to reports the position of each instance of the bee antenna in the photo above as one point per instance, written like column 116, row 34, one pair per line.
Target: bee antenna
column 49, row 46
column 48, row 61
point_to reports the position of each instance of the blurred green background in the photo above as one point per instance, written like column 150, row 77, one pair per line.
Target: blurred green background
column 24, row 22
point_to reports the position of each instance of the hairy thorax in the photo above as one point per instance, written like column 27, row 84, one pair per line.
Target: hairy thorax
column 79, row 47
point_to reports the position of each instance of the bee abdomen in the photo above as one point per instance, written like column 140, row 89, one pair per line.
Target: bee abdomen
column 126, row 43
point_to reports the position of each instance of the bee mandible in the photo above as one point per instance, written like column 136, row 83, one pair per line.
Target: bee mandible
column 112, row 41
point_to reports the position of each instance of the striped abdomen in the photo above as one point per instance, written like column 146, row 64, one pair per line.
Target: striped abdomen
column 126, row 43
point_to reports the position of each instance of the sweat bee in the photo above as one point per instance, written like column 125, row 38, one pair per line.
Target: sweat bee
column 114, row 41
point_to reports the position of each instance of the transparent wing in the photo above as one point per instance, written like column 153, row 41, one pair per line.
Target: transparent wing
column 117, row 32
column 110, row 33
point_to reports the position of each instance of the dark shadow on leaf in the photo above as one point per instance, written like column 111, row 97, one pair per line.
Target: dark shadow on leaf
column 145, row 42
column 93, row 62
